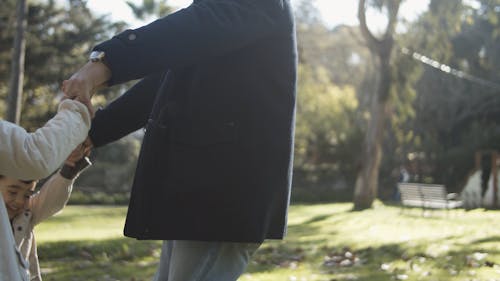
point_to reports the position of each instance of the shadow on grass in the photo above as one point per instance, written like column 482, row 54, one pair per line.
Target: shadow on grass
column 491, row 239
column 314, row 247
column 131, row 260
column 304, row 230
column 391, row 261
column 428, row 214
column 114, row 259
column 333, row 263
column 318, row 219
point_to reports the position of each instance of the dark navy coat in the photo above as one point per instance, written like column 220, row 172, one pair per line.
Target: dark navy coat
column 217, row 99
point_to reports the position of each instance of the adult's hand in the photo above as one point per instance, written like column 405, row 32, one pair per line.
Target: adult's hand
column 86, row 81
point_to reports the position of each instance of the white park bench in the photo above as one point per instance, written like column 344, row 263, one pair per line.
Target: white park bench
column 427, row 196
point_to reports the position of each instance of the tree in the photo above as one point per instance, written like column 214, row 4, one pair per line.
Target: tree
column 457, row 116
column 328, row 130
column 325, row 138
column 58, row 40
column 367, row 181
column 157, row 8
column 59, row 36
column 17, row 67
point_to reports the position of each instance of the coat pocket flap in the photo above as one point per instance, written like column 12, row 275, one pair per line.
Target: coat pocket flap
column 206, row 133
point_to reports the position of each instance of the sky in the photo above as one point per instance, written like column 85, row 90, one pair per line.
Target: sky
column 333, row 12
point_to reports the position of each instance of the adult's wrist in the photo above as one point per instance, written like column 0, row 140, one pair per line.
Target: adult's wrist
column 99, row 57
column 94, row 75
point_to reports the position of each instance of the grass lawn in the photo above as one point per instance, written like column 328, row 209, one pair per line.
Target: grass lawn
column 325, row 242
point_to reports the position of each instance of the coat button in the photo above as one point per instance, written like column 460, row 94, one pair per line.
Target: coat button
column 19, row 228
column 132, row 36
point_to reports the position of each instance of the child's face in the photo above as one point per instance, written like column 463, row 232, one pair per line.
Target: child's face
column 16, row 195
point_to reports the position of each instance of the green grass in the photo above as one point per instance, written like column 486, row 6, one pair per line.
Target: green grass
column 326, row 242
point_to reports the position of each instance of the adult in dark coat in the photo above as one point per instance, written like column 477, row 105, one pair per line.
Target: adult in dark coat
column 217, row 99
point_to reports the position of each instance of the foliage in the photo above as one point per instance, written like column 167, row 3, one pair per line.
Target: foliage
column 339, row 50
column 324, row 131
column 324, row 242
column 325, row 114
column 59, row 38
column 437, row 119
column 86, row 196
column 328, row 129
column 58, row 41
column 113, row 169
column 454, row 116
column 158, row 8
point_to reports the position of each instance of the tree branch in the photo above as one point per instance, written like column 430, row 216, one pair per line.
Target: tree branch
column 393, row 8
column 373, row 42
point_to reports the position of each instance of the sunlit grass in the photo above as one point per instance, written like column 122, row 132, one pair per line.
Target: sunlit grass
column 77, row 223
column 325, row 243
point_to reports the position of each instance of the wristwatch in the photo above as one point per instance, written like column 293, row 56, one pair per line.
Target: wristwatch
column 97, row 56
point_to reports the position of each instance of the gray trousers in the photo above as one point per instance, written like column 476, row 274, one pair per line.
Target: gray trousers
column 203, row 261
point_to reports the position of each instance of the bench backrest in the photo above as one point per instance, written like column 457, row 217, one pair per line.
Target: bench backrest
column 426, row 196
column 433, row 192
column 409, row 191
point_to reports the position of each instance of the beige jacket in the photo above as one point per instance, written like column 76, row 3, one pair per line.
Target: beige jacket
column 35, row 155
column 52, row 198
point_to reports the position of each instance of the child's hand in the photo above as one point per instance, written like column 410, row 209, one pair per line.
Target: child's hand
column 76, row 162
column 87, row 146
column 78, row 153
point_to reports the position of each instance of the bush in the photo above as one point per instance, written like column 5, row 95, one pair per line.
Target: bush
column 79, row 197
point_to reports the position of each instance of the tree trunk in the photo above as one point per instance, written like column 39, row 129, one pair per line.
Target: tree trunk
column 15, row 97
column 366, row 187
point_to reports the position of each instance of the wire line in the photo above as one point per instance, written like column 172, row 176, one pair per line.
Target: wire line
column 450, row 70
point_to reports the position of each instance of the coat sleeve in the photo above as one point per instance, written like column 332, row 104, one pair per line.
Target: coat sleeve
column 127, row 113
column 51, row 198
column 35, row 155
column 203, row 30
column 11, row 265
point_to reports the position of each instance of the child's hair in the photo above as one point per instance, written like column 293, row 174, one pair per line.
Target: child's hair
column 23, row 181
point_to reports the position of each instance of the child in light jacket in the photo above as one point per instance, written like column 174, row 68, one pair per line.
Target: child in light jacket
column 35, row 155
column 26, row 209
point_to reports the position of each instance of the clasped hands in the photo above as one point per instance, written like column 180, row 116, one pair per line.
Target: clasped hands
column 81, row 86
column 85, row 82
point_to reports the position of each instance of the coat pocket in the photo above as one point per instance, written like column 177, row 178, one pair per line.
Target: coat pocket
column 205, row 134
